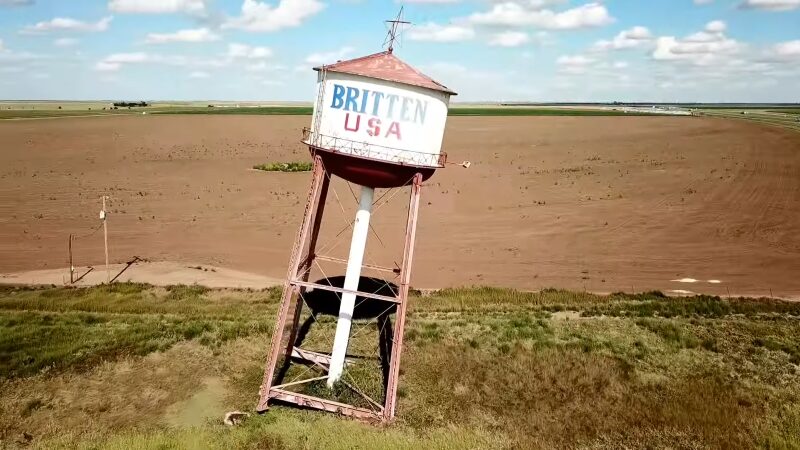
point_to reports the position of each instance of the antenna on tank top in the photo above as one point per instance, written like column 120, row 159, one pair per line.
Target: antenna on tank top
column 393, row 34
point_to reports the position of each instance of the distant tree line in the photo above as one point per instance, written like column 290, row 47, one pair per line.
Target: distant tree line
column 129, row 104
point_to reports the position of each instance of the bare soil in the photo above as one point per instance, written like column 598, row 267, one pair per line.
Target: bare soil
column 595, row 203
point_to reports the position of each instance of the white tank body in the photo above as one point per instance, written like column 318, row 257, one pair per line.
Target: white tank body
column 379, row 119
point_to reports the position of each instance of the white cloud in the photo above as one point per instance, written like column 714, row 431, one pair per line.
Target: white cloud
column 328, row 57
column 791, row 48
column 573, row 65
column 509, row 39
column 136, row 57
column 479, row 83
column 576, row 60
column 702, row 48
column 197, row 7
column 703, row 2
column 262, row 17
column 67, row 24
column 716, row 26
column 199, row 74
column 519, row 15
column 262, row 66
column 782, row 53
column 771, row 5
column 103, row 66
column 632, row 38
column 243, row 51
column 433, row 32
column 190, row 35
column 237, row 54
column 115, row 61
column 65, row 42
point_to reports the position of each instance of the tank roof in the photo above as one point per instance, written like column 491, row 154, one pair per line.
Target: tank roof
column 386, row 66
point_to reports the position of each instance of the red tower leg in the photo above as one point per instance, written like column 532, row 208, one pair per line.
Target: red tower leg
column 319, row 183
column 400, row 320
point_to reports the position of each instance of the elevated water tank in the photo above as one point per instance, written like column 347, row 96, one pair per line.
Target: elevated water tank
column 378, row 121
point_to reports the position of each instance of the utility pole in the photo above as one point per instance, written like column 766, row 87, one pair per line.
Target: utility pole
column 105, row 237
column 71, row 267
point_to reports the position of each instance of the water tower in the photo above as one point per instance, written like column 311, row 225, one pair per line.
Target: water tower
column 377, row 123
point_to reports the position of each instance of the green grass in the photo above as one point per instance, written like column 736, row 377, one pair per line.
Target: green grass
column 256, row 110
column 51, row 113
column 112, row 366
column 517, row 111
column 786, row 110
column 285, row 167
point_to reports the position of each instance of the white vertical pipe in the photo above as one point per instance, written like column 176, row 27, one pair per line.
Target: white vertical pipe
column 352, row 276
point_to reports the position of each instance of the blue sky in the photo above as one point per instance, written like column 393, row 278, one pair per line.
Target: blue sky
column 486, row 50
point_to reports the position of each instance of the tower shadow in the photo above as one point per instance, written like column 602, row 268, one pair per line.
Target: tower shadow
column 322, row 302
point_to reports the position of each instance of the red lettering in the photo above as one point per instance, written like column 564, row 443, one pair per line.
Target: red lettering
column 374, row 125
column 347, row 121
column 394, row 128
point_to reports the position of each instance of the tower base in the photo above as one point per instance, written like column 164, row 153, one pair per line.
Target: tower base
column 285, row 348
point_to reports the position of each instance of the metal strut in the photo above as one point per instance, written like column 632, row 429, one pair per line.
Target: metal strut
column 302, row 259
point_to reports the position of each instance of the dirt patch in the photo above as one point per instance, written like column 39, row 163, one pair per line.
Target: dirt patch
column 204, row 405
column 162, row 273
column 596, row 203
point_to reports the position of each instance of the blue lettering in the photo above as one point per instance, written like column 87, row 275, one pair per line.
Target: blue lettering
column 392, row 98
column 338, row 96
column 420, row 111
column 352, row 95
column 376, row 102
column 404, row 110
column 364, row 98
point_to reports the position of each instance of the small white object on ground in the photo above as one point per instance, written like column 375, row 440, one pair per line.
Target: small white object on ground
column 686, row 280
column 235, row 418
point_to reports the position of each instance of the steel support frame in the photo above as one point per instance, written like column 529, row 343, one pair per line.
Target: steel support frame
column 303, row 255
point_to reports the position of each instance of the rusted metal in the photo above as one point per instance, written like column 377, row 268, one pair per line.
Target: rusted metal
column 339, row 290
column 400, row 320
column 295, row 383
column 305, row 267
column 296, row 284
column 320, row 359
column 325, row 405
column 382, row 153
column 289, row 290
column 366, row 266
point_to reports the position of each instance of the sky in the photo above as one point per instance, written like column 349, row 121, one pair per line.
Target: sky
column 486, row 50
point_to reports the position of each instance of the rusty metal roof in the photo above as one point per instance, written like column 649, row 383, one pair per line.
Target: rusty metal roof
column 386, row 66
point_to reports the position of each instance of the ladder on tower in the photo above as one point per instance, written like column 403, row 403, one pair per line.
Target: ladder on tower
column 316, row 122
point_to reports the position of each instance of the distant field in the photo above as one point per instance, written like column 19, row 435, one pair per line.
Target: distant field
column 297, row 110
column 781, row 117
column 50, row 113
column 515, row 111
column 258, row 110
column 133, row 366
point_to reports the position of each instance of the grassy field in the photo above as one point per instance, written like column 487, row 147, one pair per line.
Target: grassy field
column 285, row 167
column 135, row 366
column 784, row 117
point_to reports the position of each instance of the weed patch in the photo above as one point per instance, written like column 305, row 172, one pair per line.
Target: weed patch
column 285, row 167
